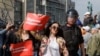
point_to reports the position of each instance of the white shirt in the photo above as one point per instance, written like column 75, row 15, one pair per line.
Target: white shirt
column 86, row 38
column 53, row 48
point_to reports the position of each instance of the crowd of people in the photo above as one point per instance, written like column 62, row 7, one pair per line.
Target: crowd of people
column 71, row 39
column 90, row 33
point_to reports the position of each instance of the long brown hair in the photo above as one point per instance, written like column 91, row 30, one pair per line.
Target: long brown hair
column 20, row 31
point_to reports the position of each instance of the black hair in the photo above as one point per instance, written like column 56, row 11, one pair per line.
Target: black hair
column 47, row 30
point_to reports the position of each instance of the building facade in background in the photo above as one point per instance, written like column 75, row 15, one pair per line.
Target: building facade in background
column 56, row 9
column 18, row 12
column 6, row 11
column 17, row 9
column 10, row 11
column 70, row 4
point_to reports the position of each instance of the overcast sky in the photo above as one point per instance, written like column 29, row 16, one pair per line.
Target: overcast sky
column 81, row 6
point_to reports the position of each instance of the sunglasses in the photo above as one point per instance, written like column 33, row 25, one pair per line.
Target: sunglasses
column 55, row 27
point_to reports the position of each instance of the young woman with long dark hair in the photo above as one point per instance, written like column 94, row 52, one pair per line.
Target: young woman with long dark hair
column 52, row 43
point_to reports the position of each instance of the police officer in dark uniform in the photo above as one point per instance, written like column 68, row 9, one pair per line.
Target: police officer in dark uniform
column 72, row 34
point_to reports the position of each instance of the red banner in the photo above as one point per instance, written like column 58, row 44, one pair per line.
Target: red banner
column 22, row 49
column 35, row 21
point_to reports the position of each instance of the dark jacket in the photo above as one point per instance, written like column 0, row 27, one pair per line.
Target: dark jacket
column 2, row 36
column 73, row 38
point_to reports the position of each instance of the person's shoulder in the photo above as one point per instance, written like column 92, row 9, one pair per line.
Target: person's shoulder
column 60, row 39
column 44, row 37
column 90, row 34
column 77, row 27
column 12, row 33
column 63, row 27
column 96, row 38
column 97, row 35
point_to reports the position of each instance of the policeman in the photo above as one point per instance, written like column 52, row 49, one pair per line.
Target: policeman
column 72, row 34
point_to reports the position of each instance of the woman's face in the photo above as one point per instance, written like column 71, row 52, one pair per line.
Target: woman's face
column 54, row 28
